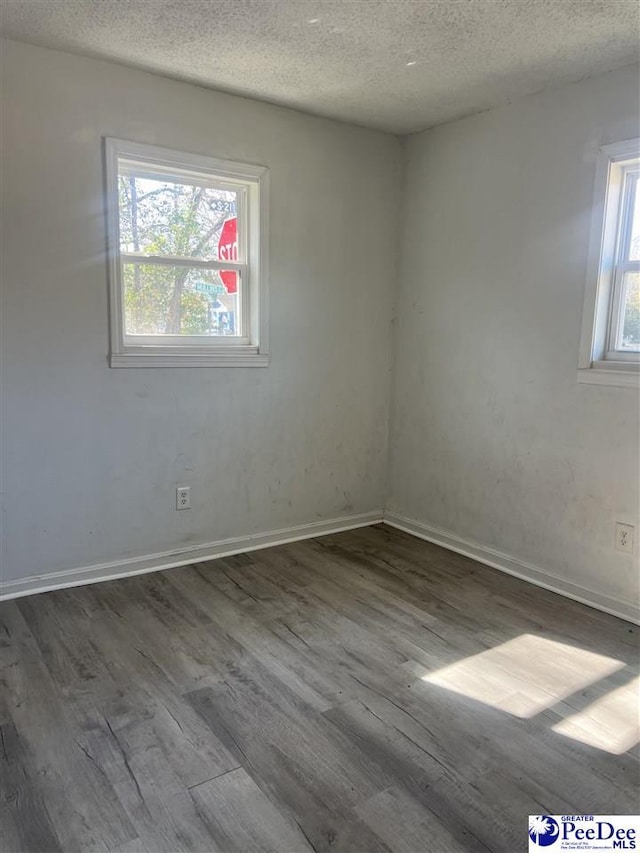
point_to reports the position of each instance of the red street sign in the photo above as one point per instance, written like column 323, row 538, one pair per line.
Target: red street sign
column 228, row 251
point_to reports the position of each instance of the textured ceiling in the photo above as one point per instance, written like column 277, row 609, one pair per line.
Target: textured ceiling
column 398, row 65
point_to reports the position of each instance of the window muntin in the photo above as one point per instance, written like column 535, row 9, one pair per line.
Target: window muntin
column 187, row 257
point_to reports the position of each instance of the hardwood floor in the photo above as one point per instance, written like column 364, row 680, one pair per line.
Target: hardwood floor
column 360, row 692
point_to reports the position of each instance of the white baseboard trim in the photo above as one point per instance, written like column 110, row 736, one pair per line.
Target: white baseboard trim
column 514, row 566
column 241, row 544
column 182, row 556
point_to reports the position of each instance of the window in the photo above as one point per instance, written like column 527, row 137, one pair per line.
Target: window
column 187, row 259
column 610, row 345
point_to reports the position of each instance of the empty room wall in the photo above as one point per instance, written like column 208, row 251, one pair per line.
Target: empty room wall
column 93, row 454
column 492, row 439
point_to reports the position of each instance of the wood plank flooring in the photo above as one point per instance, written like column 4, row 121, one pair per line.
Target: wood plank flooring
column 364, row 691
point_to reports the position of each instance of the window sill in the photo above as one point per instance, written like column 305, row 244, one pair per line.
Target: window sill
column 620, row 374
column 233, row 357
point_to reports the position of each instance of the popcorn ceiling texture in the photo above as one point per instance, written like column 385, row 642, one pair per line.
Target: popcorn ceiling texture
column 347, row 60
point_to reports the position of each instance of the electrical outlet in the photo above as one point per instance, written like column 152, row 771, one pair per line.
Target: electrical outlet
column 183, row 497
column 624, row 537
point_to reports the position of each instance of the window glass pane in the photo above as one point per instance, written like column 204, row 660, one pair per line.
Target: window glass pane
column 634, row 241
column 166, row 300
column 631, row 313
column 159, row 217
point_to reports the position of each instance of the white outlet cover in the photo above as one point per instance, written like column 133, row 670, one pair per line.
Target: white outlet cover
column 183, row 497
column 624, row 537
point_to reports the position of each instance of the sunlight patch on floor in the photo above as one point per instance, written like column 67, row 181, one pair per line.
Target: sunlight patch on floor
column 525, row 675
column 611, row 723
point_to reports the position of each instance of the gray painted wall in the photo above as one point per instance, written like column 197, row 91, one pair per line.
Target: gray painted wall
column 92, row 455
column 492, row 439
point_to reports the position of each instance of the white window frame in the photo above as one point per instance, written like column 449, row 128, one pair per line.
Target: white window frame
column 600, row 362
column 251, row 182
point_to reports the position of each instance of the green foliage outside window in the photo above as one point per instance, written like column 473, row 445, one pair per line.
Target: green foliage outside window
column 161, row 218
